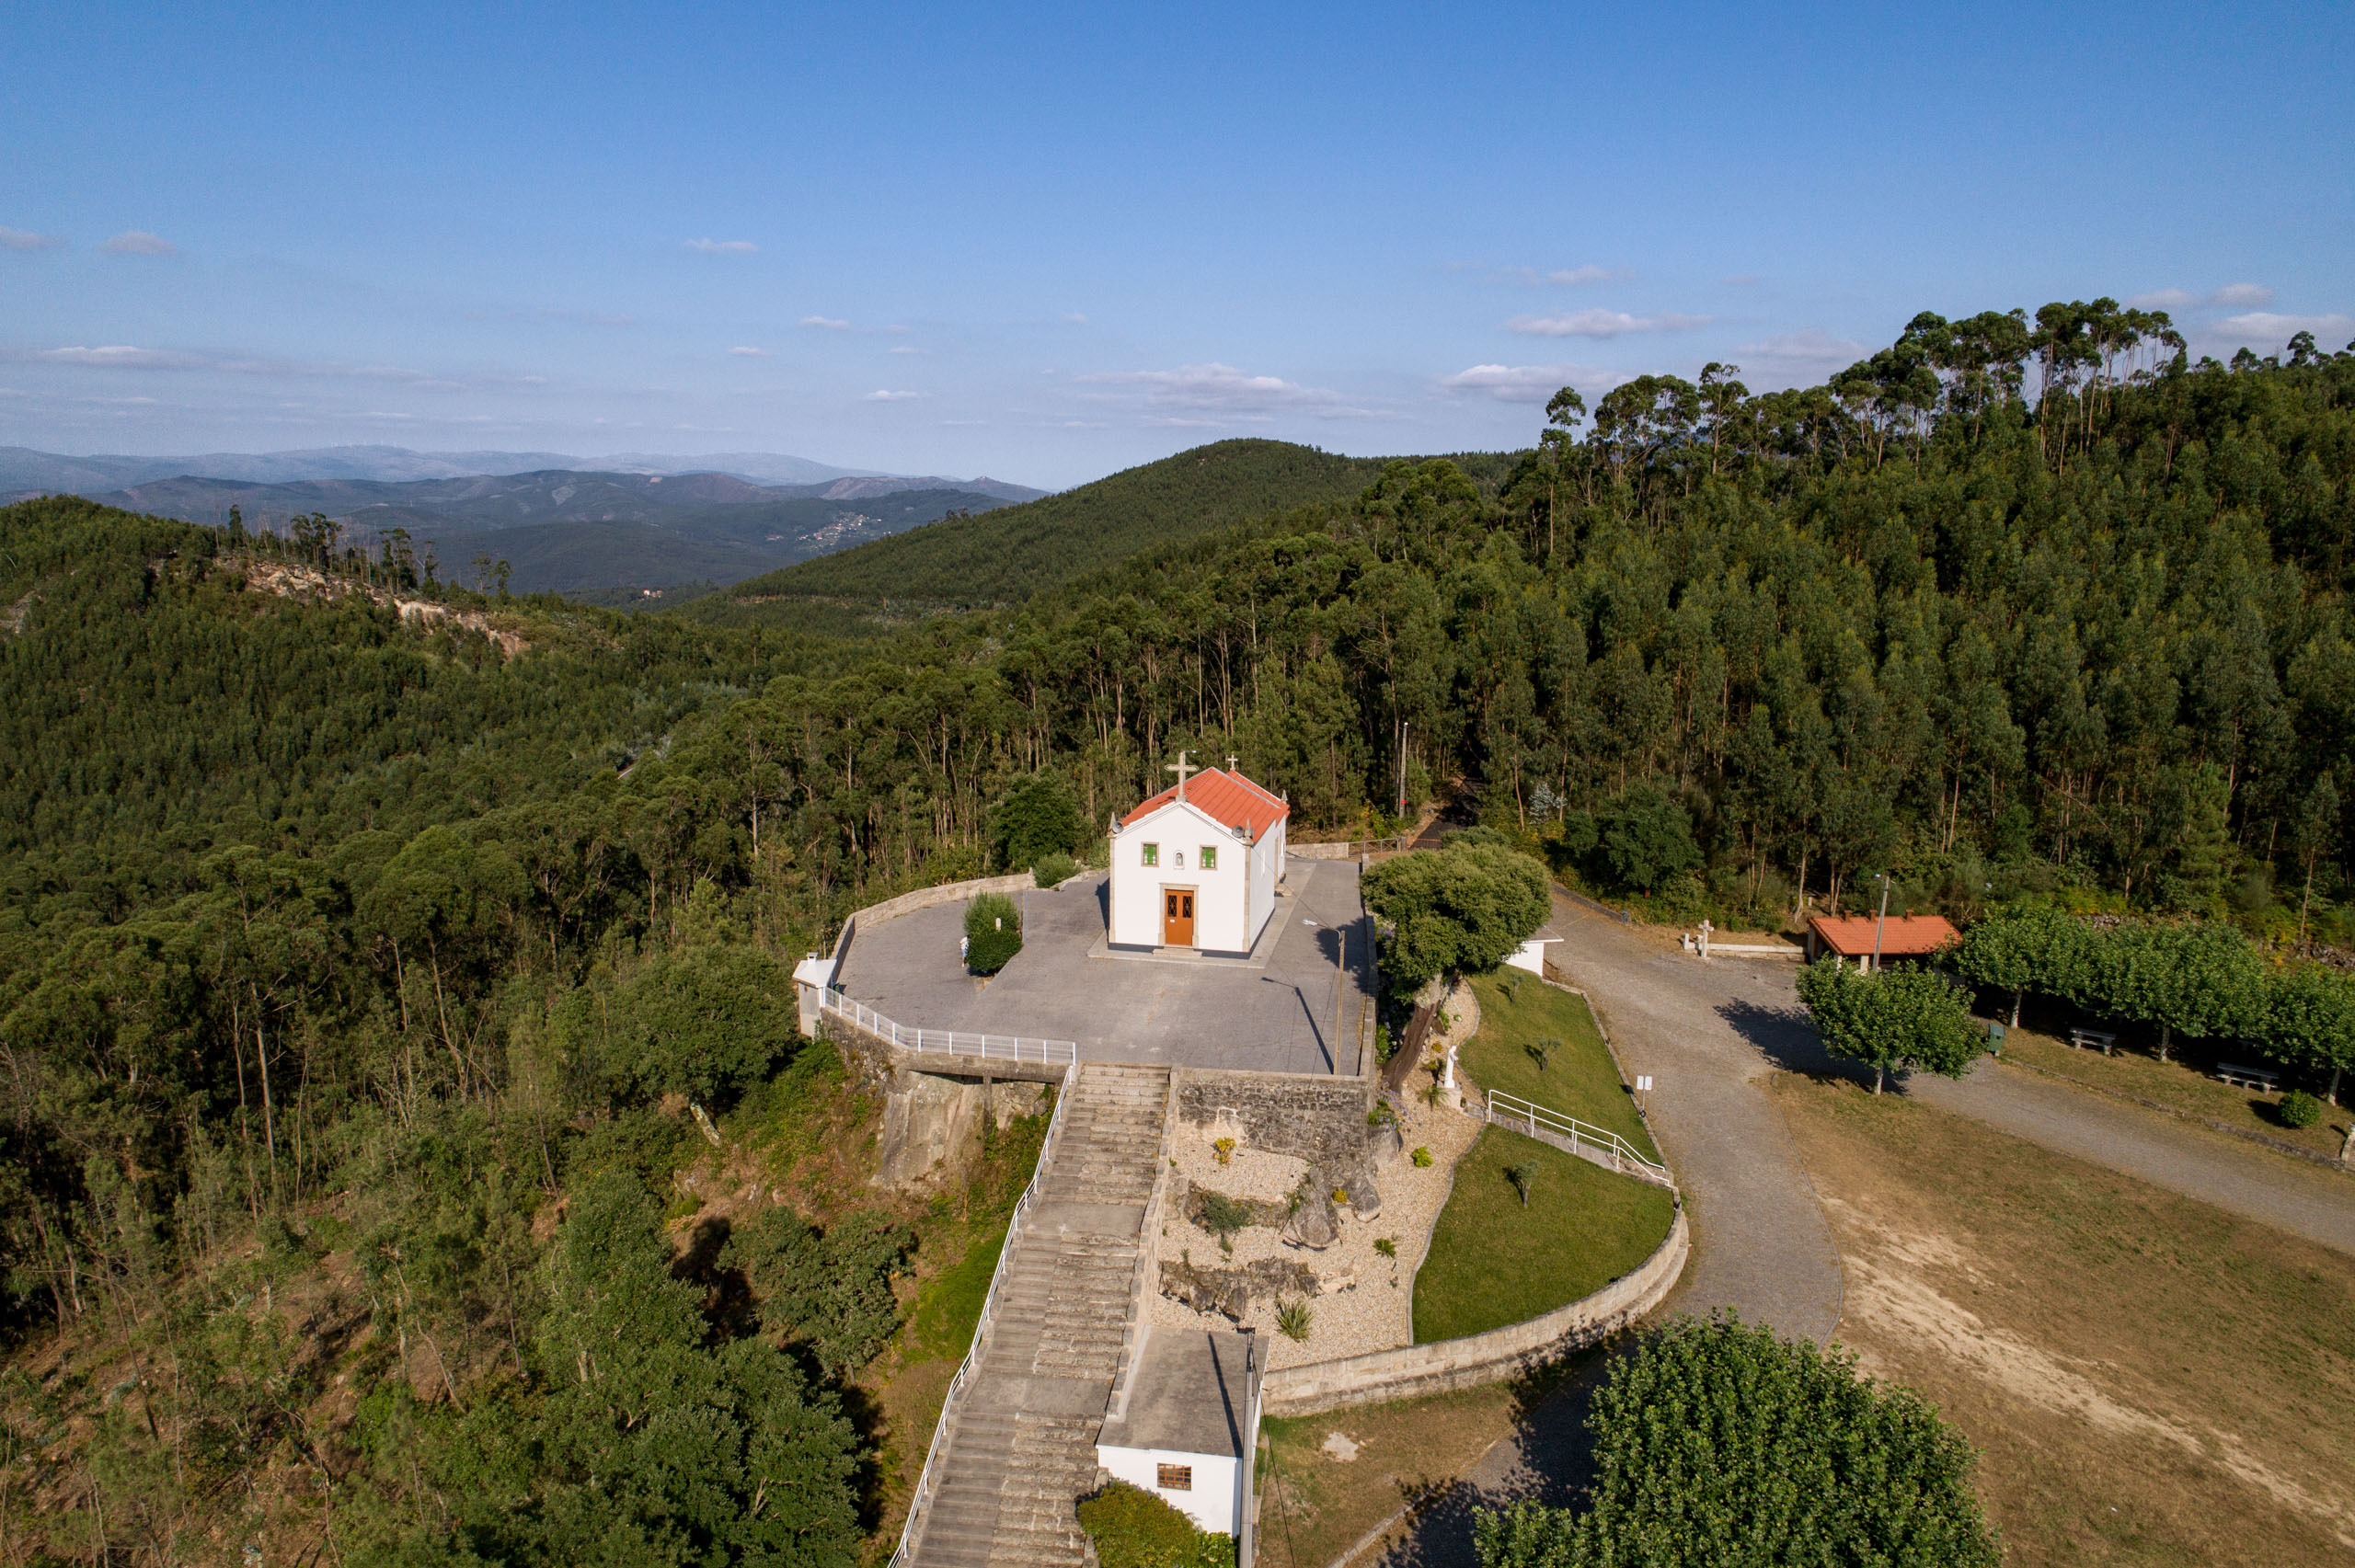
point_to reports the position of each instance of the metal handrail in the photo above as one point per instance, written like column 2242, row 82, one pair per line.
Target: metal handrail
column 973, row 1353
column 1506, row 1110
column 948, row 1042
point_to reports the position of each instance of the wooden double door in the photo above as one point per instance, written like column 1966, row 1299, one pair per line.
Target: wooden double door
column 1177, row 917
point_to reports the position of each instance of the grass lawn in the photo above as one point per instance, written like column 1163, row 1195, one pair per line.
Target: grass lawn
column 2187, row 1083
column 2148, row 1379
column 1578, row 1081
column 1494, row 1261
column 1317, row 1497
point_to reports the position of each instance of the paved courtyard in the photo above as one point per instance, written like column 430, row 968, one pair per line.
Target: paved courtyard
column 1292, row 1006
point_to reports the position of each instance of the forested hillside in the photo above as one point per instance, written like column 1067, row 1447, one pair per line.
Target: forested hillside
column 361, row 967
column 1009, row 554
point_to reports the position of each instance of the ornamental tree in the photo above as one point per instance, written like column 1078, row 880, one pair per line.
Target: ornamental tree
column 1900, row 1017
column 1463, row 907
column 2308, row 1021
column 1719, row 1443
column 2028, row 947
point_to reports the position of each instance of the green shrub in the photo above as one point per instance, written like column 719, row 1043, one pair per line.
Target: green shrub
column 1422, row 1158
column 992, row 933
column 1134, row 1529
column 1222, row 1216
column 2299, row 1109
column 1720, row 1443
column 1054, row 869
column 1294, row 1317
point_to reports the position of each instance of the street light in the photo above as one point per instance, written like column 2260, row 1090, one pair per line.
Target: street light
column 1883, row 924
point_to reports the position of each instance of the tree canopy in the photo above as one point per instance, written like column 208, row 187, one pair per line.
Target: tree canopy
column 1720, row 1443
column 1464, row 907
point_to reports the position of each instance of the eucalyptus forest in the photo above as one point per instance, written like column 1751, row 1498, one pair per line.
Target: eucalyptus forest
column 374, row 953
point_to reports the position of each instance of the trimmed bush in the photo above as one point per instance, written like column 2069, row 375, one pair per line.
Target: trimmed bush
column 1053, row 869
column 2299, row 1109
column 1134, row 1529
column 992, row 933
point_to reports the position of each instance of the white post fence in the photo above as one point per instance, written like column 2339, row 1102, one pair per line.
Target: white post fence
column 945, row 1042
column 910, row 1530
column 1594, row 1144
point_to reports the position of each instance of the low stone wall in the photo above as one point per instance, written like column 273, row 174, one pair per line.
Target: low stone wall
column 1321, row 851
column 1488, row 1358
column 1309, row 1115
column 924, row 898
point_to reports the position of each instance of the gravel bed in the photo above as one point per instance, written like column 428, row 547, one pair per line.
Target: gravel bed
column 1365, row 1301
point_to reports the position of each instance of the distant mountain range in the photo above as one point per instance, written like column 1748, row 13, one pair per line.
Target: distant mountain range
column 635, row 521
column 24, row 470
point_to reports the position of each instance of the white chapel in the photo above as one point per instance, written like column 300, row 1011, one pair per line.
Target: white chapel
column 1197, row 865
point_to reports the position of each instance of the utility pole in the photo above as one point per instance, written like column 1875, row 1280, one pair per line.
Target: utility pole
column 1403, row 727
column 1883, row 923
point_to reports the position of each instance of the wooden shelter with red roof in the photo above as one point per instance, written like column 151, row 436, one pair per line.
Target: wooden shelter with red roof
column 1197, row 865
column 1861, row 936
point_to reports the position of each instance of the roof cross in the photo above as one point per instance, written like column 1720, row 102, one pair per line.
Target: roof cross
column 1230, row 762
column 1181, row 767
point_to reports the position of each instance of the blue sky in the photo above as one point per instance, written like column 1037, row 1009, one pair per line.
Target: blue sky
column 1050, row 243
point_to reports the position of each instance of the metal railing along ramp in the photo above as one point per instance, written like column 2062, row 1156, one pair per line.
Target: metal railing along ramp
column 1597, row 1145
column 946, row 1042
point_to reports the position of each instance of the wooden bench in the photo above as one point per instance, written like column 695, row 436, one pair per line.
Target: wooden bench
column 2248, row 1077
column 2086, row 1037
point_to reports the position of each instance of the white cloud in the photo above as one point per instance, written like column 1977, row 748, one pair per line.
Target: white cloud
column 745, row 351
column 723, row 247
column 1562, row 276
column 827, row 322
column 2263, row 330
column 1601, row 324
column 905, row 349
column 1809, row 349
column 891, row 396
column 1529, row 383
column 2242, row 295
column 114, row 356
column 590, row 317
column 139, row 242
column 25, row 239
column 1075, row 318
column 1224, row 389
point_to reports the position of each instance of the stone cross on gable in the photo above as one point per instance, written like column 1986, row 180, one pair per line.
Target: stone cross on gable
column 1230, row 762
column 1181, row 767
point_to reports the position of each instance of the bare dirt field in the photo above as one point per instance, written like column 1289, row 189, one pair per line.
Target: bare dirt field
column 2150, row 1379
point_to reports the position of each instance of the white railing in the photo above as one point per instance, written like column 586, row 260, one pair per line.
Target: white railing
column 946, row 1042
column 912, row 1528
column 1587, row 1142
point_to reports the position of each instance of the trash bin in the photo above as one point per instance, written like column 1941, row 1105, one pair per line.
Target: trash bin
column 1995, row 1038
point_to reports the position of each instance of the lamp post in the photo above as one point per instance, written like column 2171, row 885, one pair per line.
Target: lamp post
column 1883, row 924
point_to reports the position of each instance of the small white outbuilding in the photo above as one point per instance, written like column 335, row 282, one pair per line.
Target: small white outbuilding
column 1197, row 865
column 1186, row 1424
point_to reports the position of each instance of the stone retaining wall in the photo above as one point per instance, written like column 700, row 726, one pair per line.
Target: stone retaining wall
column 1310, row 1115
column 1488, row 1358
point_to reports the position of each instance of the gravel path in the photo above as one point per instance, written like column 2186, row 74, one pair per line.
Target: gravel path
column 2289, row 1195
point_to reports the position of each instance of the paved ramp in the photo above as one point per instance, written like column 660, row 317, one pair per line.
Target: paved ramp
column 1021, row 1439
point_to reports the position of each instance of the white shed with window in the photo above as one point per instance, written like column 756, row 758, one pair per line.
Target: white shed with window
column 1186, row 1425
column 1197, row 865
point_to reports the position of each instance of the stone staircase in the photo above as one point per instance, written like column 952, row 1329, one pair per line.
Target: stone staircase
column 1022, row 1442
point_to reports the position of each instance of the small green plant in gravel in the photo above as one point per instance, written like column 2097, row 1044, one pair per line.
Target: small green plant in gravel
column 1422, row 1159
column 1386, row 1246
column 1292, row 1319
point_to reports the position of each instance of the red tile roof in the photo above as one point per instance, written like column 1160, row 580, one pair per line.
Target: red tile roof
column 1227, row 798
column 1905, row 936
